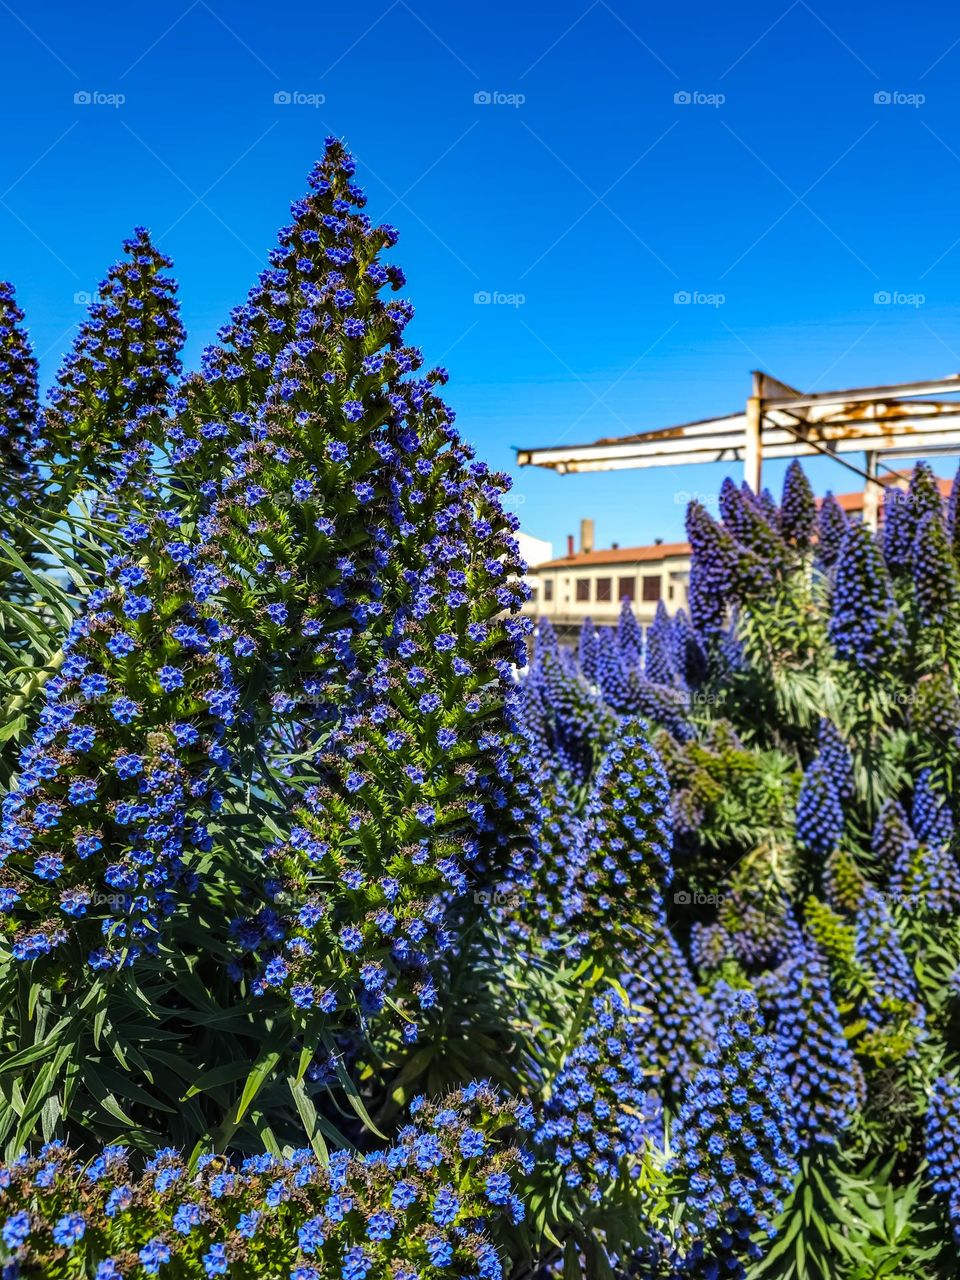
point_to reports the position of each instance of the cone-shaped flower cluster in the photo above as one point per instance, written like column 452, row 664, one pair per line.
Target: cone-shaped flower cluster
column 819, row 811
column 798, row 508
column 865, row 627
column 736, row 1136
column 613, row 674
column 879, row 951
column 746, row 520
column 831, row 530
column 658, row 658
column 589, row 649
column 930, row 816
column 936, row 583
column 825, row 1081
column 629, row 637
column 627, row 842
column 599, row 1113
column 372, row 579
column 418, row 1207
column 721, row 569
column 103, row 415
column 18, row 397
column 943, row 1146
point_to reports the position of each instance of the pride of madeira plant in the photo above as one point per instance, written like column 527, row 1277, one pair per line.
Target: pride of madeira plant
column 322, row 935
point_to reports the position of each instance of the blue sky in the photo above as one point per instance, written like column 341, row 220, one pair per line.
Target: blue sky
column 585, row 189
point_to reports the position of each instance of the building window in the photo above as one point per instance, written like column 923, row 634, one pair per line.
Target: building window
column 547, row 590
column 627, row 589
column 651, row 588
column 583, row 589
column 604, row 590
column 534, row 595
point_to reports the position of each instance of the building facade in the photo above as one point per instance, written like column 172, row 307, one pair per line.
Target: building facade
column 593, row 584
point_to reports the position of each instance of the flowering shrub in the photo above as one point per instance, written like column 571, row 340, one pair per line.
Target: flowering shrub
column 297, row 838
column 419, row 1206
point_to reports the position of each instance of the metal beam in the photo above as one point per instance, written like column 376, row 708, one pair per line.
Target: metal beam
column 781, row 422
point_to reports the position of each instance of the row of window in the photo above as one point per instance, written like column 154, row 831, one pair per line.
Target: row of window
column 626, row 589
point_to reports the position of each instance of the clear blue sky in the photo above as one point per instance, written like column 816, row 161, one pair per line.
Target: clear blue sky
column 599, row 197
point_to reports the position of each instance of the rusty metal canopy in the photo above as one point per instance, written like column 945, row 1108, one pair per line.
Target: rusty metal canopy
column 900, row 419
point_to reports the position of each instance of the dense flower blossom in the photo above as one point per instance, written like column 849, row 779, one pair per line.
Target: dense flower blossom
column 625, row 861
column 588, row 650
column 865, row 627
column 367, row 638
column 721, row 569
column 760, row 924
column 746, row 520
column 825, row 1081
column 943, row 1146
column 600, row 1112
column 629, row 637
column 930, row 816
column 658, row 652
column 18, row 397
column 831, row 530
column 736, row 1137
column 798, row 508
column 936, row 583
column 614, row 674
column 878, row 949
column 923, row 870
column 836, row 756
column 103, row 415
column 392, row 1208
column 688, row 656
column 820, row 817
column 710, row 946
column 574, row 720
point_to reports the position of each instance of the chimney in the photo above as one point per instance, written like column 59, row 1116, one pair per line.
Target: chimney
column 658, row 542
column 586, row 535
column 569, row 544
column 614, row 546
